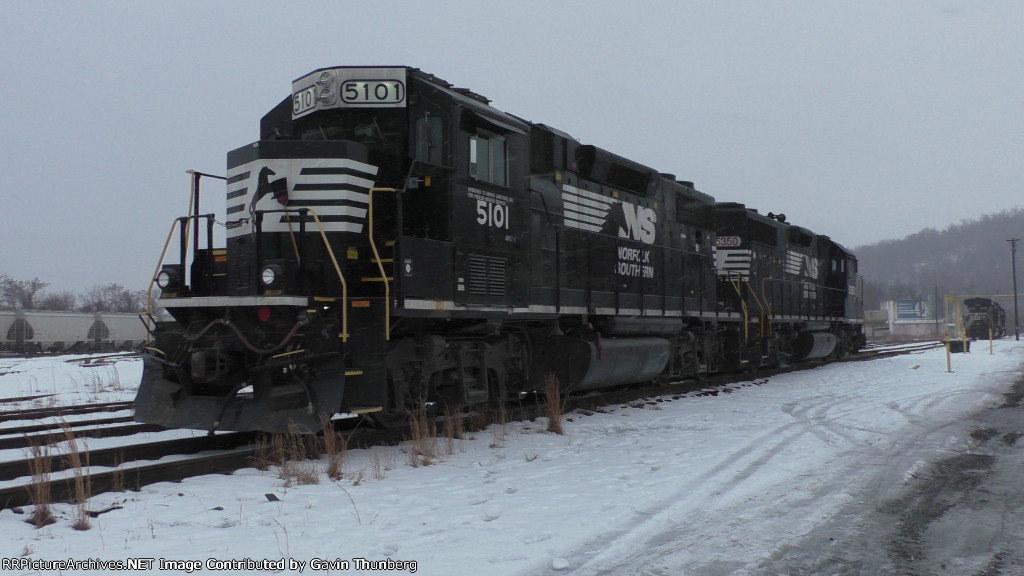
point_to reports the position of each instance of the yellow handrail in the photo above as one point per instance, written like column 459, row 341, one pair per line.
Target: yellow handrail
column 743, row 304
column 759, row 305
column 327, row 244
column 152, row 280
column 337, row 269
column 768, row 304
column 380, row 266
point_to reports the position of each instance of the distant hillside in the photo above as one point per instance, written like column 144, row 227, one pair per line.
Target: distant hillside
column 972, row 257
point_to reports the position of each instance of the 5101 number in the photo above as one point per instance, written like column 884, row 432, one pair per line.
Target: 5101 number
column 373, row 92
column 491, row 214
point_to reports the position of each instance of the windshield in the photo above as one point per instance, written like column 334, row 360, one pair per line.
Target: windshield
column 378, row 129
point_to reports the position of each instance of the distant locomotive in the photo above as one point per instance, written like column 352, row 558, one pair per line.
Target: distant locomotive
column 985, row 319
column 393, row 240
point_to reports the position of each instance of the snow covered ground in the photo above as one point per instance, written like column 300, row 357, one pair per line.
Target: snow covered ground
column 892, row 466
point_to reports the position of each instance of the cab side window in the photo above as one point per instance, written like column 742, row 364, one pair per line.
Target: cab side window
column 429, row 136
column 487, row 158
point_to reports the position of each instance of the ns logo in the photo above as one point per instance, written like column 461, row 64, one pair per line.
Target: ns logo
column 638, row 223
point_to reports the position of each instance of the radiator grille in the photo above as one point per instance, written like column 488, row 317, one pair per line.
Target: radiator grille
column 486, row 276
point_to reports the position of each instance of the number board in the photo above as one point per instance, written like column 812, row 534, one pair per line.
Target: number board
column 373, row 92
column 349, row 88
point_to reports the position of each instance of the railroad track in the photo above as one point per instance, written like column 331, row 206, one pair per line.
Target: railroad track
column 131, row 466
column 50, row 424
column 102, row 359
column 61, row 411
column 136, row 465
column 16, row 399
column 52, row 433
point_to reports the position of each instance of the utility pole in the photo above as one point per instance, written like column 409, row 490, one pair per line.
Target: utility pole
column 1013, row 268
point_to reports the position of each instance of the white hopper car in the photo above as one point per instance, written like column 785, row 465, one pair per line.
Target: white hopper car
column 44, row 331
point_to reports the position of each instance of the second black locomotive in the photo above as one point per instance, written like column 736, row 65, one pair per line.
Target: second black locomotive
column 985, row 319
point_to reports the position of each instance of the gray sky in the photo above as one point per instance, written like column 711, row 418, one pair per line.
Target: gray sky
column 865, row 120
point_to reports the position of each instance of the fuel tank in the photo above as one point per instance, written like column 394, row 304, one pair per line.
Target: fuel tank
column 811, row 345
column 595, row 363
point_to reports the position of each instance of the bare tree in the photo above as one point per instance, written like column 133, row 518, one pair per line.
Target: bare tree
column 112, row 298
column 20, row 293
column 58, row 301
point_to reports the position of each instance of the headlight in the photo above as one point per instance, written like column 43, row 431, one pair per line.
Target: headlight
column 163, row 279
column 270, row 274
column 169, row 277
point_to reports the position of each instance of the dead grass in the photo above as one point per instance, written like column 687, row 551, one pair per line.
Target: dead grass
column 297, row 454
column 82, row 486
column 262, row 457
column 555, row 409
column 39, row 488
column 499, row 428
column 423, row 445
column 478, row 420
column 334, row 447
column 117, row 480
column 383, row 460
column 454, row 431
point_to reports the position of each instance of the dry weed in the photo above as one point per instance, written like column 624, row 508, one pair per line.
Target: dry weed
column 383, row 460
column 499, row 429
column 117, row 479
column 263, row 454
column 296, row 466
column 39, row 488
column 377, row 465
column 423, row 447
column 335, row 447
column 390, row 458
column 454, row 429
column 81, row 480
column 553, row 393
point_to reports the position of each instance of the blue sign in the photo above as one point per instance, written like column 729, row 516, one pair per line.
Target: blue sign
column 911, row 309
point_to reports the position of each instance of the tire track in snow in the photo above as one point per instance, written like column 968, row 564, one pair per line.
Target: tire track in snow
column 677, row 526
column 619, row 549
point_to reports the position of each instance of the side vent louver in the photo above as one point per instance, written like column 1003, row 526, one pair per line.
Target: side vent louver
column 486, row 276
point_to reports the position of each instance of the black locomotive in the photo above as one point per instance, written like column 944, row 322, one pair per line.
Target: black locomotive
column 393, row 240
column 985, row 319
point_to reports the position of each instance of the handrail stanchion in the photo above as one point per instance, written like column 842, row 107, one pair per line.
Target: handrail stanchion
column 380, row 266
